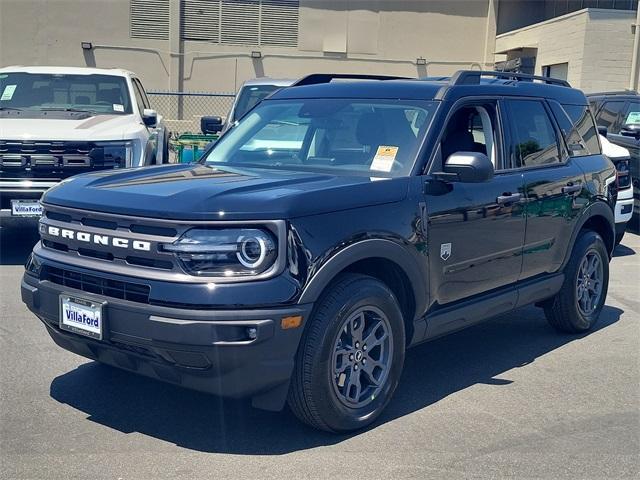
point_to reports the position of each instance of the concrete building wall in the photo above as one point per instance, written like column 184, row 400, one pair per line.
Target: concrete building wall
column 608, row 50
column 366, row 36
column 595, row 43
column 49, row 32
column 560, row 40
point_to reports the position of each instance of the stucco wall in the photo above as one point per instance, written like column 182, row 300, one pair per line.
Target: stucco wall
column 608, row 50
column 558, row 40
column 367, row 36
column 596, row 43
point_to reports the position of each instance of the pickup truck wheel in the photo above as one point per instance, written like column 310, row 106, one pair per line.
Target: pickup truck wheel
column 577, row 305
column 350, row 357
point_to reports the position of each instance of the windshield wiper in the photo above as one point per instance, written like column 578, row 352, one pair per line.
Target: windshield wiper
column 12, row 108
column 69, row 109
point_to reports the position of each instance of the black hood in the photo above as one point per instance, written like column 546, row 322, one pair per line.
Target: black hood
column 201, row 192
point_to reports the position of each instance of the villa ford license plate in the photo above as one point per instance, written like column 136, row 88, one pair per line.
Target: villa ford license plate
column 81, row 316
column 26, row 208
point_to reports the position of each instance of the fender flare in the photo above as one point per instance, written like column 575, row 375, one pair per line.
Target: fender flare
column 598, row 208
column 414, row 268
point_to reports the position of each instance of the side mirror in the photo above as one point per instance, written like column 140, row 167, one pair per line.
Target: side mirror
column 210, row 125
column 150, row 117
column 469, row 167
column 602, row 131
column 631, row 130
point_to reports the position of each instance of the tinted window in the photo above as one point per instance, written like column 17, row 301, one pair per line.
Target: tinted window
column 141, row 95
column 248, row 98
column 609, row 114
column 577, row 126
column 535, row 141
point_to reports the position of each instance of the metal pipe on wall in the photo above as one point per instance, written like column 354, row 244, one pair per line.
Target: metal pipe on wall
column 635, row 54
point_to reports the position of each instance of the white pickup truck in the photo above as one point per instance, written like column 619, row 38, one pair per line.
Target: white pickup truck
column 56, row 122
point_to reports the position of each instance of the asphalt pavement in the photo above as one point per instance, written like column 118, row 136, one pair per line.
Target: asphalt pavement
column 507, row 398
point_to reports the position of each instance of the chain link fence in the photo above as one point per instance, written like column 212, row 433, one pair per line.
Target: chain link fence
column 182, row 110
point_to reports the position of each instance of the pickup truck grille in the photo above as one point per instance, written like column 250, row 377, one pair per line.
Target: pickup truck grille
column 56, row 159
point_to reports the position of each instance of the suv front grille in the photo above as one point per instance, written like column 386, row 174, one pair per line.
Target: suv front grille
column 133, row 292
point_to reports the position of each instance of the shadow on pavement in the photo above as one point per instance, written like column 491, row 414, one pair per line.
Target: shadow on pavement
column 17, row 239
column 130, row 403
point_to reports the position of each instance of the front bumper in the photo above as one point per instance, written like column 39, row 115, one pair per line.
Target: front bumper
column 207, row 350
column 21, row 190
column 624, row 206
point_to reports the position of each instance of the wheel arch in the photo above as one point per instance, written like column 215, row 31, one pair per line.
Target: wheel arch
column 599, row 218
column 389, row 262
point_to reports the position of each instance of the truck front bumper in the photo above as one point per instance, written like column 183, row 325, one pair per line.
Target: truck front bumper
column 26, row 189
column 624, row 206
column 231, row 353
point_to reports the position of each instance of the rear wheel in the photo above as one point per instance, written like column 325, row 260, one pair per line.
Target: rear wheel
column 576, row 307
column 350, row 357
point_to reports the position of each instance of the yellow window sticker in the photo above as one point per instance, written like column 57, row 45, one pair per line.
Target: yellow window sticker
column 385, row 156
column 8, row 92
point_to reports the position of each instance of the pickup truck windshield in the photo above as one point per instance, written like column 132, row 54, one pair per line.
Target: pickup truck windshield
column 100, row 94
column 248, row 97
column 342, row 136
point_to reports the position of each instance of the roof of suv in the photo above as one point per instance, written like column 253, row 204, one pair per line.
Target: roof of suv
column 442, row 88
column 67, row 70
column 622, row 94
column 278, row 82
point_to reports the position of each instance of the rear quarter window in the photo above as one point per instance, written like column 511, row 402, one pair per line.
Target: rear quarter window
column 578, row 128
column 583, row 124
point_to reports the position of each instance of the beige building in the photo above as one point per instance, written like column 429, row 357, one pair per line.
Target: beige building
column 213, row 45
column 592, row 48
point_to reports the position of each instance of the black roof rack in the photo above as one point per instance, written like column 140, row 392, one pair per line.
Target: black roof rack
column 316, row 78
column 472, row 77
column 613, row 93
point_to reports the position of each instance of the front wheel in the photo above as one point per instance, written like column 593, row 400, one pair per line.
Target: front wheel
column 350, row 357
column 576, row 307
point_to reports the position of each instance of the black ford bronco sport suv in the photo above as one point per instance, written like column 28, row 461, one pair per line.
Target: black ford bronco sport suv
column 341, row 221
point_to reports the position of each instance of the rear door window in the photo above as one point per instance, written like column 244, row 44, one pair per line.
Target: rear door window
column 534, row 136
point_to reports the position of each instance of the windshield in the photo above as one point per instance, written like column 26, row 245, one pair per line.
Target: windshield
column 248, row 97
column 348, row 136
column 102, row 94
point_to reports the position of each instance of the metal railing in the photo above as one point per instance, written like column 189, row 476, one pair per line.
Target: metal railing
column 182, row 110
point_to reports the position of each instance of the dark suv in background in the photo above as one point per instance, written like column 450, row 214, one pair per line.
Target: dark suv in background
column 337, row 224
column 619, row 113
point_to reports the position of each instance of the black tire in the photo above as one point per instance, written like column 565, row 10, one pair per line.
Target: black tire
column 314, row 394
column 619, row 237
column 563, row 311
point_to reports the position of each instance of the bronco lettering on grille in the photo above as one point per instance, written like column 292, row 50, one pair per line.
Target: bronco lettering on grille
column 98, row 239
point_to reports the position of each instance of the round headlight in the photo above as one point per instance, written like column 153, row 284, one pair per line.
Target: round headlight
column 253, row 250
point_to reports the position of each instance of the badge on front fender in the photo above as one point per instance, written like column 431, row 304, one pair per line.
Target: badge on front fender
column 445, row 251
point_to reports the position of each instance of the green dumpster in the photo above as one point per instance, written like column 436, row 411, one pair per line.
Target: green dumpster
column 190, row 146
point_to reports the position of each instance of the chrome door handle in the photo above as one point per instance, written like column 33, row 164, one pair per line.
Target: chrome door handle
column 508, row 198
